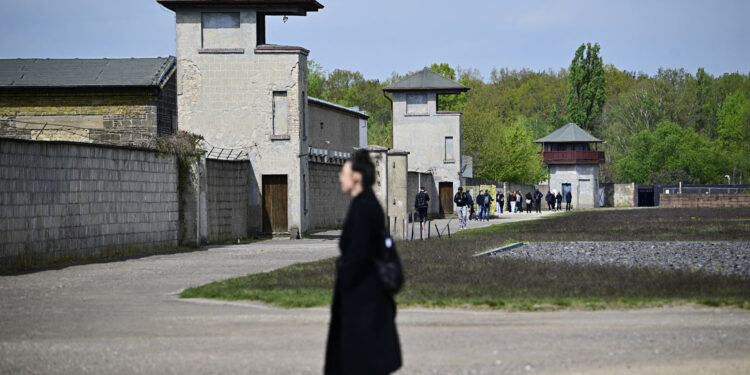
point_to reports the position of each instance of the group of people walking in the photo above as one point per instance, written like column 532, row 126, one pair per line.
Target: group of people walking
column 554, row 201
column 515, row 202
column 465, row 203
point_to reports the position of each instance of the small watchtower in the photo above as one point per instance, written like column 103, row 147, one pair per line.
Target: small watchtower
column 573, row 159
column 431, row 137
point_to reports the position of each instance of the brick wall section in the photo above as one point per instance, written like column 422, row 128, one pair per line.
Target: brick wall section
column 63, row 201
column 327, row 204
column 704, row 200
column 227, row 199
column 126, row 117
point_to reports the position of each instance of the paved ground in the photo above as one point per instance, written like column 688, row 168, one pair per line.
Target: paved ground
column 123, row 318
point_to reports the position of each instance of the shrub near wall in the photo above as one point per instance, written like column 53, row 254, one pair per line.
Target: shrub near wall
column 704, row 200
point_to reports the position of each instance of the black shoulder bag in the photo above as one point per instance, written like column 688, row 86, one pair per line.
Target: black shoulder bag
column 389, row 266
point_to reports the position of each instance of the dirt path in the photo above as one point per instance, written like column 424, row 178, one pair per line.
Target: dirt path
column 123, row 318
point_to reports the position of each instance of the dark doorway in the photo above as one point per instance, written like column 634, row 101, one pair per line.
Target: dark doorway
column 646, row 196
column 446, row 198
column 275, row 204
column 565, row 191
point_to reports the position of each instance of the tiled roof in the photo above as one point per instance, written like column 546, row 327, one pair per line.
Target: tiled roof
column 133, row 72
column 568, row 133
column 426, row 80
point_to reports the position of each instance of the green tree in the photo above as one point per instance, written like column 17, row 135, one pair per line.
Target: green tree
column 734, row 134
column 316, row 76
column 586, row 87
column 671, row 147
column 449, row 102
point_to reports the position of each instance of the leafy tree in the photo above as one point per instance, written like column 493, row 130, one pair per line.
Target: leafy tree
column 449, row 102
column 501, row 151
column 315, row 78
column 671, row 147
column 734, row 133
column 586, row 87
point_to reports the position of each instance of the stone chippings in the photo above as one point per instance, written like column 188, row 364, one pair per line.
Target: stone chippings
column 728, row 258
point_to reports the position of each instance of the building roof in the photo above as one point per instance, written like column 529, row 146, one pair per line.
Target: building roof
column 352, row 111
column 569, row 133
column 299, row 7
column 426, row 80
column 133, row 72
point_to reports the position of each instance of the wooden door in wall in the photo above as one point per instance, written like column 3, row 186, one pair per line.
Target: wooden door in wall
column 275, row 204
column 446, row 198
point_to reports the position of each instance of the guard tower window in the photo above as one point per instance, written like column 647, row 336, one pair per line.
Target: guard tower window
column 449, row 149
column 220, row 30
column 416, row 104
column 280, row 113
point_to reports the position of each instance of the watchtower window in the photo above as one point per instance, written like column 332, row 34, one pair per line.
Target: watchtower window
column 416, row 104
column 220, row 30
column 449, row 149
column 280, row 113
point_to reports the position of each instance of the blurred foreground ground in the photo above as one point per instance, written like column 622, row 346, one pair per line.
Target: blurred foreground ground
column 123, row 317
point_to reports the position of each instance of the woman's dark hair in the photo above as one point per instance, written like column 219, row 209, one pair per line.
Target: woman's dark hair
column 362, row 163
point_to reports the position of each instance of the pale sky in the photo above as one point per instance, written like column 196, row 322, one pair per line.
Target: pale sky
column 378, row 37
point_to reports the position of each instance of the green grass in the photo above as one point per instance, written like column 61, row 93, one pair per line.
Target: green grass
column 442, row 273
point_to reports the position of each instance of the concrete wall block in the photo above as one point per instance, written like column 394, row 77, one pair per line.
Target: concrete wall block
column 78, row 200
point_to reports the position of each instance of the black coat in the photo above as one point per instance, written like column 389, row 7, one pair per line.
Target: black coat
column 569, row 197
column 558, row 198
column 362, row 337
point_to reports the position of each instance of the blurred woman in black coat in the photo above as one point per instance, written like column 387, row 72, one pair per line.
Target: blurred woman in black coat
column 362, row 337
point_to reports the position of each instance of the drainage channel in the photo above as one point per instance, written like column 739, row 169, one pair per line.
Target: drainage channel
column 499, row 249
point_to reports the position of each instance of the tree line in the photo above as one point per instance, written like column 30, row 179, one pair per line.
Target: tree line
column 664, row 128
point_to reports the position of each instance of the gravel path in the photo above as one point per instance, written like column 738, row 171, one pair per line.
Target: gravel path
column 729, row 258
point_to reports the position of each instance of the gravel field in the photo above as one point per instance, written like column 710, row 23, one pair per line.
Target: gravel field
column 729, row 258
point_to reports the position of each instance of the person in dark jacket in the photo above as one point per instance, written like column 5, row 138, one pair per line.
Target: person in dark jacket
column 499, row 202
column 558, row 198
column 550, row 201
column 362, row 336
column 486, row 204
column 509, row 206
column 568, row 201
column 519, row 202
column 470, row 203
column 529, row 202
column 421, row 203
column 538, row 201
column 460, row 200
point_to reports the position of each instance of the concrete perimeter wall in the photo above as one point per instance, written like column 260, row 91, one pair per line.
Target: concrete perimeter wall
column 227, row 200
column 327, row 204
column 63, row 201
column 704, row 200
column 624, row 195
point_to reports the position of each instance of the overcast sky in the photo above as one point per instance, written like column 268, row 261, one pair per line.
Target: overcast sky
column 378, row 37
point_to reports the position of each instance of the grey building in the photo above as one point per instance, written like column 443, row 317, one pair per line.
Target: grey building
column 109, row 101
column 573, row 160
column 242, row 93
column 431, row 137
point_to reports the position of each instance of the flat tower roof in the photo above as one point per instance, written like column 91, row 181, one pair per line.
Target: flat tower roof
column 291, row 7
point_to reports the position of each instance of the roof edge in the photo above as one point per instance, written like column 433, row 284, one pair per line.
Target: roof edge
column 338, row 107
